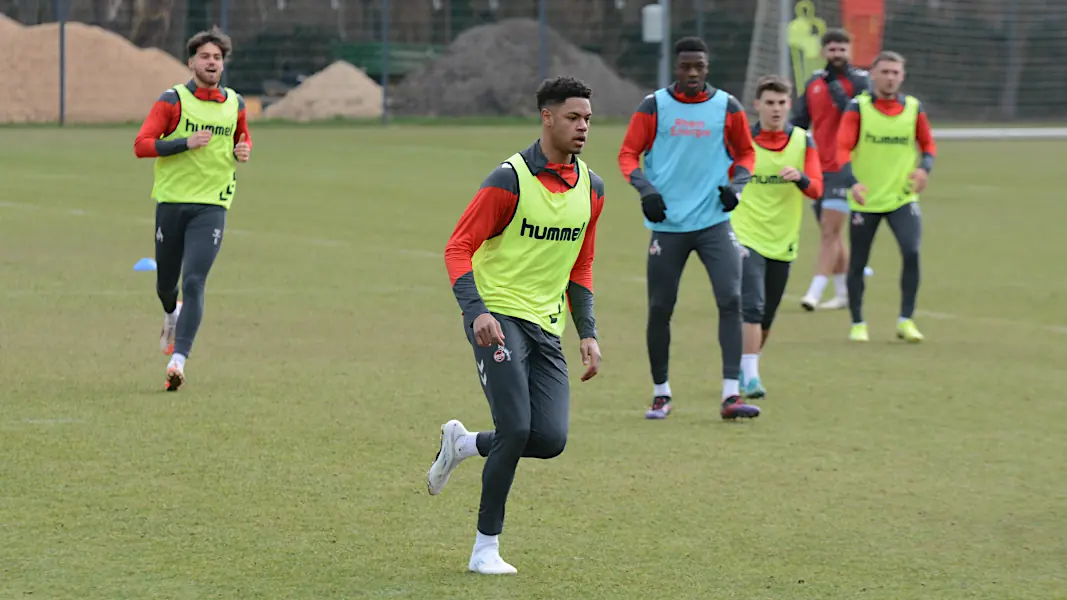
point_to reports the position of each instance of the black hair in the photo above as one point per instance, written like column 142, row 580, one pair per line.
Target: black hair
column 553, row 92
column 211, row 36
column 690, row 44
column 836, row 36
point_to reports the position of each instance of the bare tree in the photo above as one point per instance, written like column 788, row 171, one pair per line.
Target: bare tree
column 151, row 22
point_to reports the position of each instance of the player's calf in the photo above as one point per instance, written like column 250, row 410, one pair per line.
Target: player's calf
column 166, row 334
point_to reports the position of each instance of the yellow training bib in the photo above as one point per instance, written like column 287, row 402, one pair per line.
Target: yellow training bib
column 524, row 271
column 885, row 155
column 206, row 175
column 769, row 216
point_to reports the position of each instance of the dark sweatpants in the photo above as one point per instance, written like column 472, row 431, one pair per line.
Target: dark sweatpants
column 906, row 223
column 188, row 238
column 763, row 283
column 528, row 389
column 718, row 249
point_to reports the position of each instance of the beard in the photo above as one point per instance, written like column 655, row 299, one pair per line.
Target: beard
column 207, row 77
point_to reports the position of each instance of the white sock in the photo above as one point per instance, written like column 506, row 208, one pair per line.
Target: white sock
column 467, row 446
column 661, row 389
column 178, row 360
column 841, row 285
column 730, row 387
column 818, row 284
column 484, row 542
column 901, row 320
column 750, row 366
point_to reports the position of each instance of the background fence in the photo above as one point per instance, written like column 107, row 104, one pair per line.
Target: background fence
column 973, row 60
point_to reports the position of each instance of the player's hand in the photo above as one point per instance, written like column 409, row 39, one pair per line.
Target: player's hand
column 242, row 151
column 487, row 331
column 728, row 198
column 654, row 207
column 859, row 194
column 590, row 358
column 918, row 180
column 199, row 139
column 789, row 174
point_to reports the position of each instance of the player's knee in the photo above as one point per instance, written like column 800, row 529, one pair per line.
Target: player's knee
column 660, row 311
column 193, row 284
column 751, row 313
column 910, row 256
column 549, row 445
column 729, row 303
column 511, row 440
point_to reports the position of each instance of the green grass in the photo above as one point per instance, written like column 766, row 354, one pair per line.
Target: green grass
column 292, row 465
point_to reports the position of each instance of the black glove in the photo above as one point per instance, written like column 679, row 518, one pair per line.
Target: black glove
column 654, row 208
column 728, row 198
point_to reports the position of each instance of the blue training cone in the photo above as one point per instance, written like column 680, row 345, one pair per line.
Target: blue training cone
column 145, row 264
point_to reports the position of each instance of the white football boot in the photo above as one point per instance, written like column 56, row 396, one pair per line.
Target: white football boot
column 447, row 459
column 487, row 561
column 835, row 303
column 175, row 376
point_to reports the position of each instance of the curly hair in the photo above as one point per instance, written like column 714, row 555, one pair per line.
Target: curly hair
column 554, row 92
column 212, row 36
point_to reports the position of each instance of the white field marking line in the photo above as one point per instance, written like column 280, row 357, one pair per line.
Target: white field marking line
column 49, row 421
column 313, row 241
column 1060, row 329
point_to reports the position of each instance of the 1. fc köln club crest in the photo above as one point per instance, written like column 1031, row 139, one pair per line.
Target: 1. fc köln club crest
column 501, row 354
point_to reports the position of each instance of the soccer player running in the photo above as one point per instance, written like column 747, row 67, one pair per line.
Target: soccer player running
column 691, row 135
column 879, row 145
column 521, row 252
column 767, row 221
column 819, row 110
column 195, row 132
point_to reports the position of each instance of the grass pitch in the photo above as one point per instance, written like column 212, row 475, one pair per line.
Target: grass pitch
column 292, row 464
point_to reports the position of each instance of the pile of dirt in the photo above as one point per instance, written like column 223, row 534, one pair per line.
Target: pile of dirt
column 338, row 91
column 8, row 27
column 494, row 69
column 109, row 80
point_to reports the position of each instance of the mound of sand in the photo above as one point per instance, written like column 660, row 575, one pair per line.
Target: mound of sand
column 339, row 90
column 8, row 27
column 493, row 69
column 108, row 78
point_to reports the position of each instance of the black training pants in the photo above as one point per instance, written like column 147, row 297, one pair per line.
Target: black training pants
column 528, row 389
column 906, row 223
column 718, row 249
column 763, row 282
column 188, row 238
